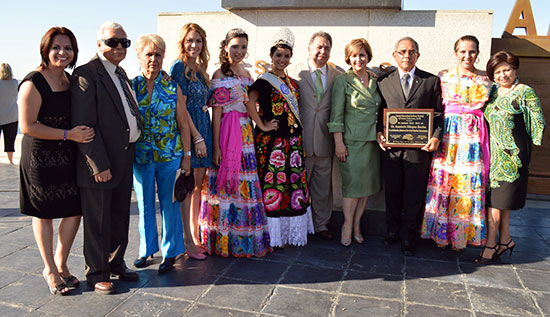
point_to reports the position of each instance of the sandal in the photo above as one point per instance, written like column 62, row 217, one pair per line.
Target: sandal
column 481, row 260
column 505, row 247
column 58, row 289
column 71, row 281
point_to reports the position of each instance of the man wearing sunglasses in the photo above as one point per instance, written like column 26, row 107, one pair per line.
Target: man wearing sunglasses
column 102, row 99
column 405, row 170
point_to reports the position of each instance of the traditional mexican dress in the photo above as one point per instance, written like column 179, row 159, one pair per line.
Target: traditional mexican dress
column 515, row 121
column 455, row 200
column 281, row 165
column 232, row 218
column 197, row 93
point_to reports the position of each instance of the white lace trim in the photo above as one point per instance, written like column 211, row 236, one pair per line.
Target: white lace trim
column 290, row 230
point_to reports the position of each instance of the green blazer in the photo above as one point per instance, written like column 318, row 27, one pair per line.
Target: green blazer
column 354, row 107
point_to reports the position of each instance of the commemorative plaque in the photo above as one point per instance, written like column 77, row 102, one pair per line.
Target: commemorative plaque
column 410, row 128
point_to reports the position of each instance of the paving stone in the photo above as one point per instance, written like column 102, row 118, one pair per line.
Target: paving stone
column 8, row 310
column 374, row 245
column 436, row 293
column 325, row 257
column 203, row 310
column 530, row 261
column 535, row 246
column 313, row 277
column 214, row 264
column 83, row 301
column 490, row 275
column 148, row 305
column 22, row 236
column 501, row 301
column 178, row 283
column 8, row 276
column 372, row 284
column 32, row 261
column 437, row 270
column 295, row 302
column 357, row 306
column 423, row 310
column 386, row 264
column 535, row 280
column 256, row 271
column 8, row 248
column 29, row 291
column 286, row 254
column 237, row 294
column 543, row 301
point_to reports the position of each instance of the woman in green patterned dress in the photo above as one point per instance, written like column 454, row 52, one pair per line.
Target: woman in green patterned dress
column 515, row 122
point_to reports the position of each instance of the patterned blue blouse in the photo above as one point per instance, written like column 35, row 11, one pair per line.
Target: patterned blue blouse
column 197, row 94
column 160, row 139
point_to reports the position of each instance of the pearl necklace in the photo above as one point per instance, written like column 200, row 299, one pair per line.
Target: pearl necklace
column 505, row 91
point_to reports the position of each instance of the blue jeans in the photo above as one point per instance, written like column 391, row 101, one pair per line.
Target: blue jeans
column 172, row 231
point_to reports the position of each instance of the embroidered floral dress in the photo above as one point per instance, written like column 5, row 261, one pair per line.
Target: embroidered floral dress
column 515, row 122
column 455, row 200
column 233, row 221
column 281, row 168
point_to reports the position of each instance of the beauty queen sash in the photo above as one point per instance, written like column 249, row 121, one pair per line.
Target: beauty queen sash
column 285, row 91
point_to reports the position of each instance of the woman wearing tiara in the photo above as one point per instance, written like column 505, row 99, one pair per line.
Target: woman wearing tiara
column 279, row 152
column 232, row 218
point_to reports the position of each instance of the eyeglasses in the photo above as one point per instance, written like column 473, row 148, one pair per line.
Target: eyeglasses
column 113, row 42
column 402, row 53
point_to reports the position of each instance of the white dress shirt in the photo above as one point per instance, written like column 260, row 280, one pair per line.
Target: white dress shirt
column 132, row 124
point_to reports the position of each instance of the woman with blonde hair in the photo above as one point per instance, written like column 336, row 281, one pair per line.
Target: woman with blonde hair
column 162, row 149
column 355, row 105
column 8, row 109
column 189, row 71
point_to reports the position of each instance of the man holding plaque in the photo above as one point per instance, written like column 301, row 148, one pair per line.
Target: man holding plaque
column 405, row 168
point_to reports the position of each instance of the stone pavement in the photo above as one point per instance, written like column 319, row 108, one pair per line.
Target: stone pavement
column 321, row 279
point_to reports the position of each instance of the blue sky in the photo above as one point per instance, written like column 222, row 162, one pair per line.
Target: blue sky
column 25, row 21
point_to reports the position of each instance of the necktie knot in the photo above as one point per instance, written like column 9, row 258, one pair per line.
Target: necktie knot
column 405, row 84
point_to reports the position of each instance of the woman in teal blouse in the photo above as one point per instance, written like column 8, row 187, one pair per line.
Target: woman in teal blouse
column 165, row 138
column 355, row 104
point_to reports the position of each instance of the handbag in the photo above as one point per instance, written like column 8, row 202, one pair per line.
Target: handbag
column 183, row 185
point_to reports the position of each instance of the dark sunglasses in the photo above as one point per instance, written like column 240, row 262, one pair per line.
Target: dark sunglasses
column 113, row 42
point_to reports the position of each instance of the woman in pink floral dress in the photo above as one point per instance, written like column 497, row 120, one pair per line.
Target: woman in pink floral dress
column 455, row 202
column 232, row 218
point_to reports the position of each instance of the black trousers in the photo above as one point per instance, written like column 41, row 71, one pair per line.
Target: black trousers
column 10, row 132
column 106, row 215
column 405, row 189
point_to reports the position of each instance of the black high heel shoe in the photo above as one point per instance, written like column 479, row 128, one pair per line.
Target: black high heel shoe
column 505, row 247
column 481, row 260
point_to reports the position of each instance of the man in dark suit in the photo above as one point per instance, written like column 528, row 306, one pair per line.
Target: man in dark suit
column 406, row 170
column 102, row 99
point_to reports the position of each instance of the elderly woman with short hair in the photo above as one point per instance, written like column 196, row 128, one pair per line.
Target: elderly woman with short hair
column 164, row 140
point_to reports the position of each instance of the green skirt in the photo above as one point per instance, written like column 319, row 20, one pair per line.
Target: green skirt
column 361, row 173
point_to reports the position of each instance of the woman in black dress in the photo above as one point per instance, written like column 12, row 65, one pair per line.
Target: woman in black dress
column 47, row 168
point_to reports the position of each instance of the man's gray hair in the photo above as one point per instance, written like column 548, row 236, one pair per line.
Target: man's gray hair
column 407, row 38
column 107, row 25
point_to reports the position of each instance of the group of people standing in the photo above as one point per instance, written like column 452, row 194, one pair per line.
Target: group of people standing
column 91, row 136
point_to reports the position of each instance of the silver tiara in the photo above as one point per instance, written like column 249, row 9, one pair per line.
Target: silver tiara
column 283, row 36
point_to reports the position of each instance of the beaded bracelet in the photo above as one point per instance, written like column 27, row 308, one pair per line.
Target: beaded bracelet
column 65, row 135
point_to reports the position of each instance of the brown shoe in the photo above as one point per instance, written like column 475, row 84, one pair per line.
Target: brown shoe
column 125, row 274
column 325, row 235
column 104, row 288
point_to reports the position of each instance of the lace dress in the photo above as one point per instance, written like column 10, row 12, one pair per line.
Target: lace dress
column 232, row 220
column 281, row 168
column 47, row 169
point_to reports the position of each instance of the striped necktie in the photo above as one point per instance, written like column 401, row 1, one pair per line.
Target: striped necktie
column 134, row 110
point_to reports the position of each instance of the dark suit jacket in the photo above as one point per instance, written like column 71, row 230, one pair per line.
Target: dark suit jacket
column 425, row 93
column 96, row 103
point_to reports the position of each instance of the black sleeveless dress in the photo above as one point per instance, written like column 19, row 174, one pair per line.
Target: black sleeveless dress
column 47, row 169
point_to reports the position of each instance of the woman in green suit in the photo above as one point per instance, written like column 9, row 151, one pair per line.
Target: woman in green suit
column 355, row 104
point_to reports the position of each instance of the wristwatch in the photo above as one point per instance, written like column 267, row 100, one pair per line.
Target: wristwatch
column 188, row 153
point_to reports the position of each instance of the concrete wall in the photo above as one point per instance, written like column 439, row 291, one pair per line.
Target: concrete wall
column 435, row 31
